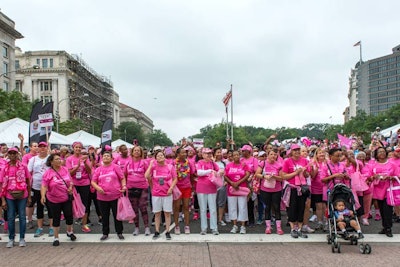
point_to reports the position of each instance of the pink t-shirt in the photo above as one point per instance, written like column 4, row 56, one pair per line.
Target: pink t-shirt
column 396, row 161
column 109, row 179
column 27, row 157
column 380, row 186
column 57, row 190
column 252, row 162
column 236, row 172
column 333, row 169
column 271, row 169
column 316, row 183
column 204, row 185
column 14, row 178
column 121, row 162
column 184, row 171
column 290, row 165
column 81, row 177
column 134, row 171
column 162, row 176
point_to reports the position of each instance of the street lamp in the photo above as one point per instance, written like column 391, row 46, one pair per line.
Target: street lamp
column 94, row 106
column 34, row 67
column 58, row 107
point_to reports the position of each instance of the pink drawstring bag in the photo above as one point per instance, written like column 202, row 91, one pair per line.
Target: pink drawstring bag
column 242, row 191
column 393, row 194
column 125, row 211
column 176, row 193
column 78, row 209
column 216, row 179
column 357, row 181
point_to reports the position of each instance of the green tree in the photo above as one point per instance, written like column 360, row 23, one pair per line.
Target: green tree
column 14, row 104
column 158, row 137
column 128, row 131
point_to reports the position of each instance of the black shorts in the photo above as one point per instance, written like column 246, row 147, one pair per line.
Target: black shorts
column 316, row 198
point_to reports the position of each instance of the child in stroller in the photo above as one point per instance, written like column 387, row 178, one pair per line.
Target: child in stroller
column 345, row 217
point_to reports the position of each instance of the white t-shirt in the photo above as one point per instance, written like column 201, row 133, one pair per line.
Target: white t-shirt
column 37, row 166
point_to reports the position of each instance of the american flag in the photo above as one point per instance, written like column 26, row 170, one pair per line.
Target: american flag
column 357, row 44
column 227, row 97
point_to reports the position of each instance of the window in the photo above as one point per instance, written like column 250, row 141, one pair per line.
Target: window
column 46, row 86
column 5, row 51
column 5, row 86
column 17, row 65
column 46, row 99
column 18, row 86
column 44, row 63
column 38, row 61
column 51, row 63
column 5, row 68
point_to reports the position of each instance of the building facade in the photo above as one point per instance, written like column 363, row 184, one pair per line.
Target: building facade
column 374, row 85
column 66, row 79
column 129, row 114
column 8, row 35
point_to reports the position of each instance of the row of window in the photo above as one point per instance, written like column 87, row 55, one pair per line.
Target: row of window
column 46, row 99
column 384, row 87
column 5, row 68
column 44, row 63
column 382, row 107
column 4, row 51
column 384, row 61
column 384, row 68
column 385, row 93
column 383, row 81
column 384, row 100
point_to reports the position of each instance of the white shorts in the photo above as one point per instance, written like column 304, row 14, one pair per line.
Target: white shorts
column 162, row 203
column 237, row 208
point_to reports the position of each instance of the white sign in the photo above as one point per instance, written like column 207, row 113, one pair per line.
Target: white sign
column 198, row 142
column 46, row 119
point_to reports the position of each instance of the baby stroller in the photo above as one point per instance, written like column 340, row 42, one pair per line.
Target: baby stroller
column 341, row 191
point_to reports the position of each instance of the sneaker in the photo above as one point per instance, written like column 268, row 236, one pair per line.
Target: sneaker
column 222, row 223
column 78, row 222
column 227, row 218
column 86, row 229
column 389, row 232
column 279, row 231
column 187, row 229
column 346, row 235
column 10, row 243
column 259, row 222
column 2, row 221
column 302, row 234
column 136, row 231
column 147, row 231
column 215, row 232
column 294, row 234
column 156, row 235
column 195, row 216
column 377, row 217
column 71, row 236
column 313, row 218
column 51, row 232
column 267, row 230
column 307, row 229
column 203, row 232
column 120, row 237
column 22, row 243
column 168, row 236
column 30, row 225
column 38, row 232
column 360, row 235
column 242, row 229
column 131, row 222
column 234, row 229
column 364, row 221
column 56, row 243
column 103, row 237
column 177, row 230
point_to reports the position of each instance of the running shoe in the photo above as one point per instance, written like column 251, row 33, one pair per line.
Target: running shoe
column 307, row 229
column 377, row 217
column 103, row 237
column 56, row 243
column 136, row 231
column 86, row 229
column 215, row 232
column 365, row 221
column 203, row 232
column 177, row 230
column 294, row 233
column 259, row 222
column 71, row 236
column 302, row 234
column 242, row 229
column 168, row 236
column 156, row 235
column 187, row 229
column 38, row 232
column 22, row 243
column 222, row 223
column 313, row 218
column 120, row 237
column 51, row 232
column 234, row 229
column 147, row 231
column 10, row 243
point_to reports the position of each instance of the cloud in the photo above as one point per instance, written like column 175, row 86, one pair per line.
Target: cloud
column 288, row 62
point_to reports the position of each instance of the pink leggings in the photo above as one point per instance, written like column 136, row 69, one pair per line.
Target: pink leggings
column 140, row 203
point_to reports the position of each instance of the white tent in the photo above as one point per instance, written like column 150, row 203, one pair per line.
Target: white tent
column 10, row 129
column 386, row 132
column 120, row 142
column 86, row 138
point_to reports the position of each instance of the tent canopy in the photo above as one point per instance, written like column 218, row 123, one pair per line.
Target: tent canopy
column 85, row 138
column 120, row 142
column 10, row 129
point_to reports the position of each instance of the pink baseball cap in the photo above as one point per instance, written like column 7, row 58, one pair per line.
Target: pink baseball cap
column 206, row 150
column 294, row 146
column 247, row 147
column 42, row 144
column 13, row 149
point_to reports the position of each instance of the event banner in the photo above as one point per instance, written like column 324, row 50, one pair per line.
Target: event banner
column 106, row 133
column 34, row 127
column 46, row 122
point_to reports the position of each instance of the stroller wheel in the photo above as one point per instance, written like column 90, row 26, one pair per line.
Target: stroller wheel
column 329, row 239
column 338, row 248
column 333, row 248
column 367, row 249
column 351, row 240
column 355, row 241
column 361, row 248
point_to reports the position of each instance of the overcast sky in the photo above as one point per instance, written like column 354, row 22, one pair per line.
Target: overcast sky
column 174, row 60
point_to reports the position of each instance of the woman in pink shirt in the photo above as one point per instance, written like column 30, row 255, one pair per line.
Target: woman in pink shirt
column 270, row 173
column 207, row 191
column 80, row 170
column 236, row 174
column 15, row 194
column 380, row 175
column 110, row 183
column 123, row 158
column 318, row 165
column 56, row 190
column 185, row 171
column 294, row 170
column 162, row 179
column 138, row 187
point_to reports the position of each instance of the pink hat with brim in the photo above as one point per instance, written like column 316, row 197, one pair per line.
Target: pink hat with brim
column 247, row 148
column 206, row 150
column 13, row 149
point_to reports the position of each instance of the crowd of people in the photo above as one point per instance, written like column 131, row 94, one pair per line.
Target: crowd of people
column 243, row 186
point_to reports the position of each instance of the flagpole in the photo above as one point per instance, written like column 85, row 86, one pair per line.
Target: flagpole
column 360, row 52
column 227, row 123
column 232, row 117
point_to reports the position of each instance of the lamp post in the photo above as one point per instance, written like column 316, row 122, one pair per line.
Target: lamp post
column 94, row 106
column 58, row 107
column 34, row 67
